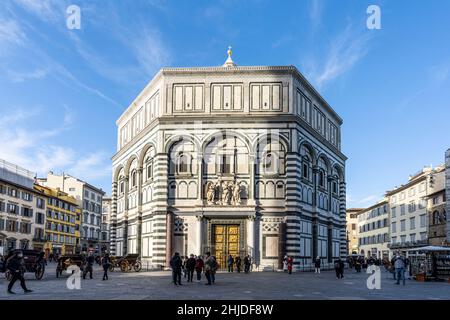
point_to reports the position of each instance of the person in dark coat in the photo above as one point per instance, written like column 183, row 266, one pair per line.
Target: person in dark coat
column 238, row 263
column 176, row 264
column 247, row 264
column 190, row 267
column 88, row 265
column 317, row 265
column 199, row 264
column 339, row 268
column 106, row 263
column 15, row 265
column 230, row 263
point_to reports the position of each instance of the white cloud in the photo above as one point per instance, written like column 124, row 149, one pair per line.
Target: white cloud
column 11, row 34
column 151, row 52
column 32, row 148
column 16, row 76
column 46, row 10
column 315, row 12
column 345, row 51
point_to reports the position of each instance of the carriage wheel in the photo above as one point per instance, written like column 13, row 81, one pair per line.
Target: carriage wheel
column 137, row 266
column 124, row 266
column 39, row 273
column 111, row 268
column 8, row 275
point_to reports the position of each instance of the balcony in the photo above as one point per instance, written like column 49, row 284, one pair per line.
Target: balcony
column 415, row 244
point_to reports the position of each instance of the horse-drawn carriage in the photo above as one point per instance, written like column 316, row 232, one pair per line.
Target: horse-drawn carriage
column 33, row 262
column 127, row 263
column 64, row 262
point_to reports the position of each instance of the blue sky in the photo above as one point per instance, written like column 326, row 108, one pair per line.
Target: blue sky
column 62, row 90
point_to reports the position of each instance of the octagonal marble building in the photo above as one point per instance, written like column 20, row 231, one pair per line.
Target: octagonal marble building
column 234, row 160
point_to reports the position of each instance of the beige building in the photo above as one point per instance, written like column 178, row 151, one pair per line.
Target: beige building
column 106, row 224
column 373, row 226
column 409, row 208
column 22, row 210
column 352, row 230
column 89, row 199
column 447, row 192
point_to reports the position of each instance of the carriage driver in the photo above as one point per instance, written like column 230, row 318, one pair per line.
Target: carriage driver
column 15, row 265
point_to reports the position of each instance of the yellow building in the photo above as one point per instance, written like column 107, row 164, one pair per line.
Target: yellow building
column 62, row 225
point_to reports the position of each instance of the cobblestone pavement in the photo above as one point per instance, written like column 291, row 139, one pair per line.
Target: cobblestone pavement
column 257, row 285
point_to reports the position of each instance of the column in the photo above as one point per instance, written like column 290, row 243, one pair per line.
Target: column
column 125, row 222
column 251, row 186
column 139, row 218
column 200, row 191
column 199, row 237
column 113, row 221
column 251, row 236
column 342, row 218
column 169, row 236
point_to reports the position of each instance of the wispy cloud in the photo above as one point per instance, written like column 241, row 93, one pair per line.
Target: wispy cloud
column 315, row 12
column 345, row 51
column 151, row 52
column 31, row 147
column 47, row 10
column 16, row 76
column 11, row 33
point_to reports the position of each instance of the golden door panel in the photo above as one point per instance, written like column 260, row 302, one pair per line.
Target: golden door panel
column 226, row 242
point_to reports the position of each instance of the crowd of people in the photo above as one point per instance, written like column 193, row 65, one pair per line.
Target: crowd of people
column 207, row 265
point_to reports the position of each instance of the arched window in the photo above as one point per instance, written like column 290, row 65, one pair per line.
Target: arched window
column 436, row 217
column 134, row 178
column 149, row 170
column 305, row 167
column 122, row 187
column 183, row 164
column 270, row 163
column 321, row 178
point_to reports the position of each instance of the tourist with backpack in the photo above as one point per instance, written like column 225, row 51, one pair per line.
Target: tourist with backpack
column 210, row 268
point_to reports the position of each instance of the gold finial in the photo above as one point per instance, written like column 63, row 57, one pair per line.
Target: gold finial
column 229, row 62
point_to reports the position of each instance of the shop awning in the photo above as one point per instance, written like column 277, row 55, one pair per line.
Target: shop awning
column 431, row 249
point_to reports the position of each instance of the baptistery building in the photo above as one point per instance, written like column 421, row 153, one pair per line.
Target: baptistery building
column 235, row 160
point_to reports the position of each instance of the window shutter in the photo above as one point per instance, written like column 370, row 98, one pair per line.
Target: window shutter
column 17, row 226
column 29, row 228
column 2, row 224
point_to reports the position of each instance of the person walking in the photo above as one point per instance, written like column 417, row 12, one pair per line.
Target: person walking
column 399, row 265
column 238, row 263
column 176, row 264
column 337, row 268
column 190, row 267
column 15, row 265
column 290, row 264
column 199, row 265
column 106, row 263
column 285, row 263
column 230, row 263
column 89, row 265
column 210, row 268
column 317, row 265
column 247, row 263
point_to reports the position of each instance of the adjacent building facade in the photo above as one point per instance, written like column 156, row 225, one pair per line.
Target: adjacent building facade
column 62, row 227
column 373, row 226
column 352, row 230
column 22, row 210
column 89, row 198
column 106, row 224
column 409, row 209
column 232, row 160
column 447, row 192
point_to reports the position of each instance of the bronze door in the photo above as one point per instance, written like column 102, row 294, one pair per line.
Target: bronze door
column 225, row 242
